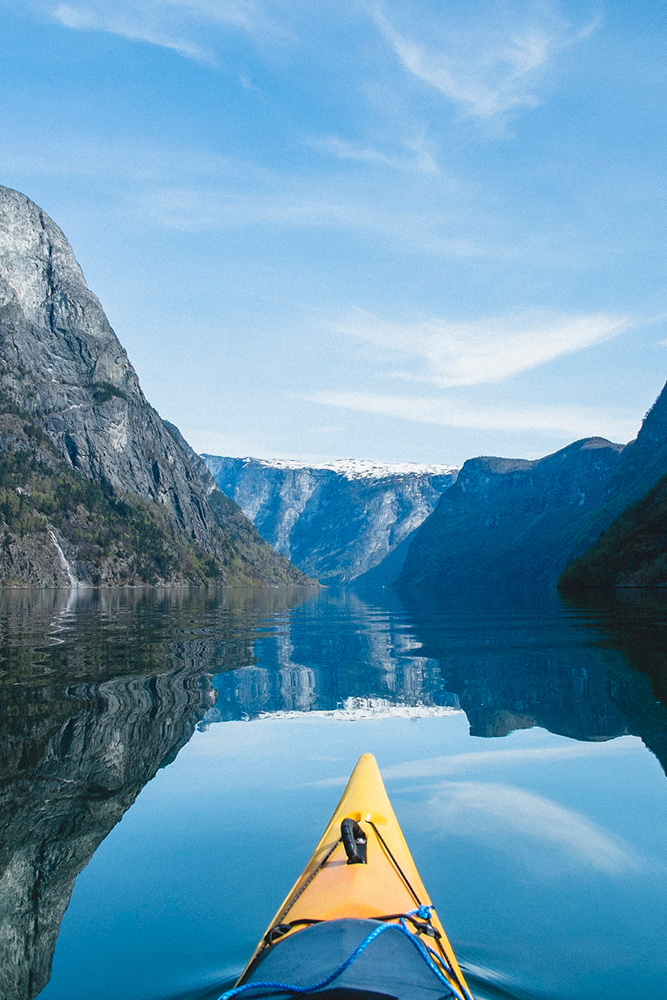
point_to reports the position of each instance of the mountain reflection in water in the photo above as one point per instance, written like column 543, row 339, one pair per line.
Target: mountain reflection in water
column 535, row 668
column 98, row 690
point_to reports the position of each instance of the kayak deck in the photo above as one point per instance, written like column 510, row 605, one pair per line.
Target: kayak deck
column 360, row 882
column 389, row 968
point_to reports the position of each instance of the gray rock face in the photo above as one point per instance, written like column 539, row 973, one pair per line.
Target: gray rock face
column 334, row 522
column 62, row 361
column 62, row 364
column 510, row 521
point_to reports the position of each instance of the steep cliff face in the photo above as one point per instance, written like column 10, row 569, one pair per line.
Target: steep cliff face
column 632, row 551
column 72, row 409
column 508, row 521
column 645, row 458
column 338, row 521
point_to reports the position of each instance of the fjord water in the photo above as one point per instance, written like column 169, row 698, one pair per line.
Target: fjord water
column 168, row 760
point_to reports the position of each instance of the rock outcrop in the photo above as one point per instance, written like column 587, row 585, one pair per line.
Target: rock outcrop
column 336, row 521
column 94, row 487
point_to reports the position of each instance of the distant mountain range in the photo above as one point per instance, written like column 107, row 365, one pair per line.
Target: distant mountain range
column 496, row 522
column 516, row 522
column 510, row 521
column 94, row 487
column 336, row 521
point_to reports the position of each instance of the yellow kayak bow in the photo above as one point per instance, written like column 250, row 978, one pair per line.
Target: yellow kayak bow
column 360, row 881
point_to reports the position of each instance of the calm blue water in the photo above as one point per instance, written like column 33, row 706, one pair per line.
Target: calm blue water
column 170, row 759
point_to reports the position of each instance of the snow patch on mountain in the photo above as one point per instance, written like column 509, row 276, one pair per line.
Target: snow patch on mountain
column 356, row 468
column 336, row 520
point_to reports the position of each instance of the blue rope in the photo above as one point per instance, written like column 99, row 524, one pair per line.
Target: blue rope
column 423, row 913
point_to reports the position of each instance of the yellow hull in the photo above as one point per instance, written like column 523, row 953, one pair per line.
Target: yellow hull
column 386, row 886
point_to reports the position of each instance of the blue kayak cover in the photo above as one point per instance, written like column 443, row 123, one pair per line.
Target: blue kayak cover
column 390, row 968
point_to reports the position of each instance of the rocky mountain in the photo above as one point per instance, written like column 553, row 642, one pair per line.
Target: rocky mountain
column 632, row 550
column 335, row 521
column 510, row 521
column 93, row 487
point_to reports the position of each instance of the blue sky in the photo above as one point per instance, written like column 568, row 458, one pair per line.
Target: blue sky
column 409, row 230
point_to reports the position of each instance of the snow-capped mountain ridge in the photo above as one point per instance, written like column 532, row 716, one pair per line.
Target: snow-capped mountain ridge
column 356, row 468
column 339, row 519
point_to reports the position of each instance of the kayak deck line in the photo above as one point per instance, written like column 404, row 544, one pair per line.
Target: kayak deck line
column 359, row 883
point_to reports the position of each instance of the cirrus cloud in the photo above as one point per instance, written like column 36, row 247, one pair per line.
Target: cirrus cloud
column 486, row 69
column 616, row 423
column 487, row 350
column 168, row 24
column 505, row 815
column 414, row 154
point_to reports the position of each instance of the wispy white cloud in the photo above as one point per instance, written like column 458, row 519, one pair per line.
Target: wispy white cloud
column 506, row 816
column 552, row 421
column 487, row 70
column 500, row 756
column 431, row 767
column 131, row 25
column 487, row 350
column 307, row 203
column 193, row 190
column 169, row 24
column 416, row 155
